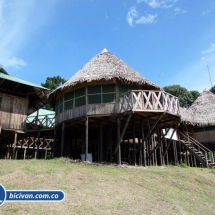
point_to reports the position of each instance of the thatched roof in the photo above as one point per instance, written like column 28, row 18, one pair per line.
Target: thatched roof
column 202, row 111
column 105, row 67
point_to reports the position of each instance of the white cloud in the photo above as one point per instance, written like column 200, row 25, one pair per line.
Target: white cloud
column 15, row 63
column 164, row 4
column 179, row 11
column 210, row 49
column 205, row 13
column 18, row 22
column 131, row 15
column 148, row 19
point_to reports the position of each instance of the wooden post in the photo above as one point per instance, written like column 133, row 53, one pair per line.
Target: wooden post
column 62, row 140
column 118, row 140
column 29, row 141
column 24, row 153
column 129, row 152
column 86, row 139
column 143, row 145
column 134, row 145
column 38, row 144
column 148, row 144
column 55, row 143
column 14, row 144
column 101, row 143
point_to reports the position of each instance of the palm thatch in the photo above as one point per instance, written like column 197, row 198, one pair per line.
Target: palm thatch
column 202, row 111
column 105, row 67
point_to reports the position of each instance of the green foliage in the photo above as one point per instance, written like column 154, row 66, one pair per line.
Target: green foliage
column 186, row 98
column 213, row 89
column 53, row 82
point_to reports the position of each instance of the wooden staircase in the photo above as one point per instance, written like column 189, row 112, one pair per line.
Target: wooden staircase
column 201, row 153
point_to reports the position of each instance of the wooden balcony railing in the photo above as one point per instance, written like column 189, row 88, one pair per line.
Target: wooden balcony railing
column 146, row 100
column 40, row 122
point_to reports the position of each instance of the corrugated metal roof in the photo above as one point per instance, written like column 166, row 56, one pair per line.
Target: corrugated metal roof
column 11, row 78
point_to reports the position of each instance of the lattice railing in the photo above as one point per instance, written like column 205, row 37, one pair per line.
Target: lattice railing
column 148, row 100
column 31, row 142
column 40, row 122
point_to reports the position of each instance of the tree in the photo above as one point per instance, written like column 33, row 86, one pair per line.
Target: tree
column 195, row 94
column 186, row 98
column 213, row 89
column 52, row 83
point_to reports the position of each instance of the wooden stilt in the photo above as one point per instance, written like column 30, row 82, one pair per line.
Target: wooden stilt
column 24, row 154
column 62, row 139
column 101, row 143
column 134, row 145
column 129, row 152
column 55, row 143
column 86, row 139
column 118, row 140
column 14, row 144
column 38, row 144
column 143, row 145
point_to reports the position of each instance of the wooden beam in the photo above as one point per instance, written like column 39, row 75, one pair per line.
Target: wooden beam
column 16, row 86
column 151, row 130
column 170, row 140
column 118, row 140
column 14, row 144
column 134, row 145
column 62, row 139
column 101, row 143
column 123, row 132
column 86, row 139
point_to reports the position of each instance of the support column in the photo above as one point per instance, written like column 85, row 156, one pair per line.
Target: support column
column 38, row 144
column 118, row 140
column 86, row 139
column 55, row 143
column 62, row 140
column 143, row 145
column 134, row 146
column 14, row 144
column 101, row 143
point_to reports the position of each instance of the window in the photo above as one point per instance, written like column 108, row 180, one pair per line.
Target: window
column 108, row 88
column 80, row 97
column 59, row 105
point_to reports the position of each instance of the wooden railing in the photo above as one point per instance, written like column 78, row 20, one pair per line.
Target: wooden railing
column 147, row 100
column 40, row 122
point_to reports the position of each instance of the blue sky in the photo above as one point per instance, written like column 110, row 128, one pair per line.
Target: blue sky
column 164, row 40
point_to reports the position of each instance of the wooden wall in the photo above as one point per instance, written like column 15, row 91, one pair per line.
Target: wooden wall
column 13, row 112
column 87, row 110
column 205, row 136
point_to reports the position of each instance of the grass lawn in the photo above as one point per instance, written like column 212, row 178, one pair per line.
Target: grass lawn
column 91, row 189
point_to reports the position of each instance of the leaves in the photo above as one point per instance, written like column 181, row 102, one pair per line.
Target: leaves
column 186, row 98
column 213, row 89
column 53, row 82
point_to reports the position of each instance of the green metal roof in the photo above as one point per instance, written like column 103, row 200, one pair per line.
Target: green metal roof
column 11, row 78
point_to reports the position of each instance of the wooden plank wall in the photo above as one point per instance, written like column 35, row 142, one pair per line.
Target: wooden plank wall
column 13, row 112
column 87, row 110
column 205, row 136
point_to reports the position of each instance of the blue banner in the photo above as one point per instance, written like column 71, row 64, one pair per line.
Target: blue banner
column 30, row 195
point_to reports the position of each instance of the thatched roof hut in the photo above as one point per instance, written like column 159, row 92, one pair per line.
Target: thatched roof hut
column 202, row 111
column 104, row 67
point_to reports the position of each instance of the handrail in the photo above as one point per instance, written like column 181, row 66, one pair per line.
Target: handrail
column 151, row 100
column 190, row 140
column 199, row 146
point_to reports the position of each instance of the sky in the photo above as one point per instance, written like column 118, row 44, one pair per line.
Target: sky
column 166, row 41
